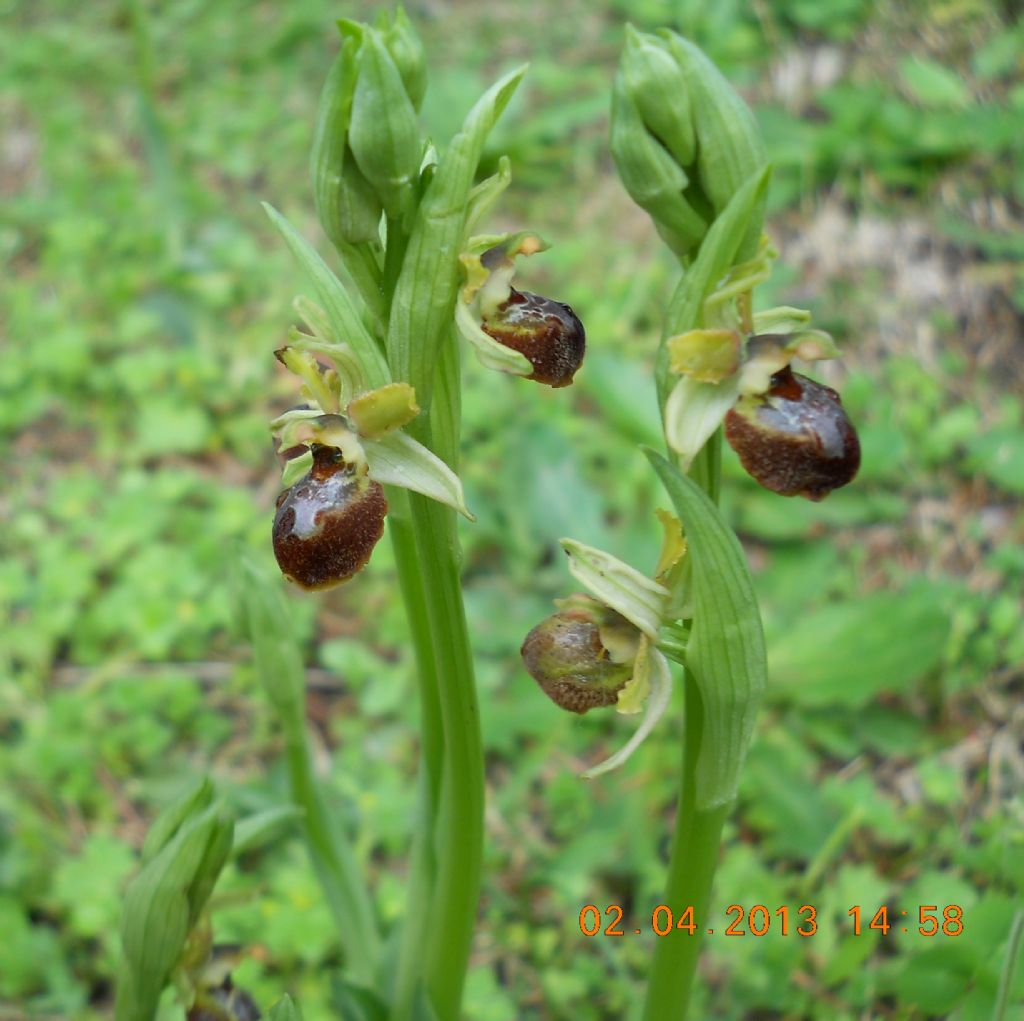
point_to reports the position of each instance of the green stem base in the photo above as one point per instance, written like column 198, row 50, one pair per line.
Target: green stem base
column 692, row 865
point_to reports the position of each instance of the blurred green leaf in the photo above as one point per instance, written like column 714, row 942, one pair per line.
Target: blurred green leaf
column 932, row 84
column 847, row 653
column 999, row 454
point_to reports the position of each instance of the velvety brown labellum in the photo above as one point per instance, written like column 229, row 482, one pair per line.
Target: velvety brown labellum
column 796, row 439
column 565, row 656
column 327, row 524
column 546, row 332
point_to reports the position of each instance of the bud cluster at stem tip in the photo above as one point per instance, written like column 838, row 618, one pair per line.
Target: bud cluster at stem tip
column 367, row 145
column 682, row 138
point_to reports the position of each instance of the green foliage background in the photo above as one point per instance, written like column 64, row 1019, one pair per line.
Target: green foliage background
column 142, row 296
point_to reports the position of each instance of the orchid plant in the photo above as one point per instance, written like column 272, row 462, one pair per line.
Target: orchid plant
column 374, row 446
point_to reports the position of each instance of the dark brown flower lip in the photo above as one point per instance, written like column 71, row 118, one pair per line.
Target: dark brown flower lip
column 564, row 654
column 546, row 332
column 796, row 439
column 327, row 524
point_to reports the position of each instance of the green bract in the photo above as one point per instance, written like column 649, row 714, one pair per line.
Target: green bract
column 725, row 651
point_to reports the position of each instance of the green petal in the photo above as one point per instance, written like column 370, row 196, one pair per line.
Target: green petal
column 398, row 460
column 638, row 598
column 660, row 679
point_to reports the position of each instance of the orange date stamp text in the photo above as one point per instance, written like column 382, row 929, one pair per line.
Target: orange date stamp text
column 924, row 920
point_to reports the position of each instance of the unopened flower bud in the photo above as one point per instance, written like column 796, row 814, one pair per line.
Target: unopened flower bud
column 406, row 49
column 683, row 140
column 346, row 203
column 581, row 656
column 327, row 524
column 384, row 133
column 656, row 83
column 653, row 178
column 548, row 333
column 730, row 148
column 795, row 439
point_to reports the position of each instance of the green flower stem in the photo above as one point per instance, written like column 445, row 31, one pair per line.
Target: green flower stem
column 698, row 834
column 448, row 851
column 691, row 871
column 458, row 832
column 423, row 864
column 340, row 878
column 706, row 469
column 397, row 243
column 281, row 672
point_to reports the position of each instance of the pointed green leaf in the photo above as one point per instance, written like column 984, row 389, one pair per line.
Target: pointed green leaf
column 398, row 460
column 726, row 651
column 172, row 818
column 286, row 1009
column 716, row 257
column 487, row 192
column 345, row 316
column 161, row 906
column 261, row 828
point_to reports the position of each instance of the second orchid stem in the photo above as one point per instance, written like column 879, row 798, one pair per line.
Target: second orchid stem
column 697, row 836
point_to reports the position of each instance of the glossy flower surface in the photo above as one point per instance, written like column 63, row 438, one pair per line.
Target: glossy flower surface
column 796, row 438
column 328, row 523
column 547, row 332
